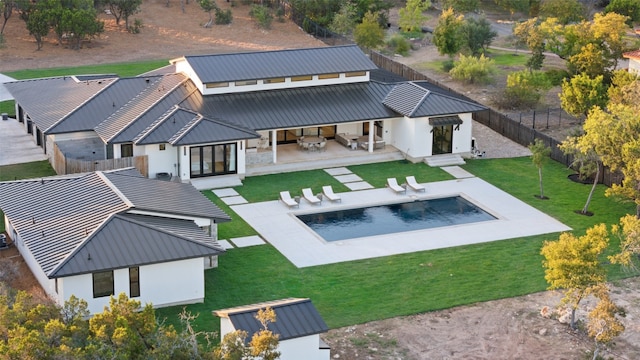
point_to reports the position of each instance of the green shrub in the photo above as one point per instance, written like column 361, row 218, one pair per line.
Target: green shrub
column 447, row 65
column 280, row 14
column 555, row 76
column 524, row 89
column 399, row 45
column 136, row 27
column 473, row 69
column 262, row 15
column 223, row 17
column 412, row 34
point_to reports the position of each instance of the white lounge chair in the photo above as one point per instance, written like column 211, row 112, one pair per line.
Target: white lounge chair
column 308, row 195
column 413, row 184
column 392, row 184
column 285, row 197
column 327, row 191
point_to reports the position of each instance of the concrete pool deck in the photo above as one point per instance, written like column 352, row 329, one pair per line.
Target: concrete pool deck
column 278, row 225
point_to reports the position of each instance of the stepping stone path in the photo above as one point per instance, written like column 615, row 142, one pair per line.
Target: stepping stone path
column 458, row 172
column 349, row 179
column 229, row 196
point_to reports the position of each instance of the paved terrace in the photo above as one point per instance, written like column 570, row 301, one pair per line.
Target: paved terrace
column 303, row 247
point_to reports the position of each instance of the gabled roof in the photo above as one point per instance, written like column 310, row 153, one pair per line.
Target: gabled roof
column 414, row 100
column 274, row 64
column 55, row 98
column 632, row 54
column 55, row 215
column 125, row 240
column 126, row 115
column 295, row 317
column 299, row 107
column 185, row 127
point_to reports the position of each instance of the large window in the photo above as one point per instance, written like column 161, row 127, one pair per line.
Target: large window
column 134, row 282
column 211, row 160
column 126, row 150
column 103, row 284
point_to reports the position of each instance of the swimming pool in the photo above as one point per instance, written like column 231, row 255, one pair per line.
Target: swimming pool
column 394, row 218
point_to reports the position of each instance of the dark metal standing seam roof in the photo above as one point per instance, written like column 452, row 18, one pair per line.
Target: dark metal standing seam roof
column 123, row 241
column 55, row 215
column 290, row 108
column 159, row 87
column 157, row 111
column 166, row 197
column 283, row 63
column 101, row 106
column 46, row 101
column 405, row 98
column 294, row 318
column 438, row 104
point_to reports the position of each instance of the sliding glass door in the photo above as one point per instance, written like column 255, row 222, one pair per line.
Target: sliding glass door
column 212, row 160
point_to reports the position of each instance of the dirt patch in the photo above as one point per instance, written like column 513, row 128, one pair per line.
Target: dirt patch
column 502, row 329
column 167, row 33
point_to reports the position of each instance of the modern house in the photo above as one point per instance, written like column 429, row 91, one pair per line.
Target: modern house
column 298, row 326
column 634, row 61
column 98, row 234
column 222, row 115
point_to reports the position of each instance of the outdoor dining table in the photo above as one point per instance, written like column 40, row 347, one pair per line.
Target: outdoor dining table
column 313, row 142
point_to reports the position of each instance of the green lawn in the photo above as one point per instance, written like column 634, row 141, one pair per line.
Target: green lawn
column 501, row 59
column 360, row 291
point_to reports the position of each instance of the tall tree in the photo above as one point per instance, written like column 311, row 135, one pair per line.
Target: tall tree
column 461, row 6
column 628, row 8
column 123, row 9
column 615, row 135
column 478, row 35
column 581, row 93
column 628, row 231
column 539, row 154
column 208, row 6
column 369, row 34
column 587, row 162
column 448, row 36
column 38, row 26
column 566, row 11
column 7, row 9
column 530, row 34
column 572, row 265
column 411, row 16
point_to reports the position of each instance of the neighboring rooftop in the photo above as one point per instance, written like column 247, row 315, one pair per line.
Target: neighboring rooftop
column 295, row 317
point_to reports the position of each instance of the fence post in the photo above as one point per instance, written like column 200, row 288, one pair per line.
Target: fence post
column 533, row 125
column 548, row 112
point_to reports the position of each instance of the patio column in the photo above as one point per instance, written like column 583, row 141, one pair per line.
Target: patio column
column 372, row 130
column 274, row 141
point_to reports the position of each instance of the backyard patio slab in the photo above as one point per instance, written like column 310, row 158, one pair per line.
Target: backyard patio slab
column 247, row 241
column 225, row 192
column 338, row 171
column 303, row 247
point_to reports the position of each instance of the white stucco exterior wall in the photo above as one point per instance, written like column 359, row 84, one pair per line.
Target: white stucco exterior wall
column 160, row 160
column 164, row 284
column 634, row 66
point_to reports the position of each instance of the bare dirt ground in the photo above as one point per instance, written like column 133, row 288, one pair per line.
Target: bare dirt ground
column 503, row 329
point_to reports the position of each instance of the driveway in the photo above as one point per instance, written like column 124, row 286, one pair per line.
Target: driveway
column 16, row 146
column 4, row 94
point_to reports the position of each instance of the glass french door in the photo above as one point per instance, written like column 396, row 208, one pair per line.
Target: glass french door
column 442, row 139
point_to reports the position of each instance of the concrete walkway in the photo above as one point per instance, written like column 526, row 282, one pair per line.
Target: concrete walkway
column 4, row 93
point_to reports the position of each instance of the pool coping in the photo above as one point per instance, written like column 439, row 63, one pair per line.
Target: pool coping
column 276, row 223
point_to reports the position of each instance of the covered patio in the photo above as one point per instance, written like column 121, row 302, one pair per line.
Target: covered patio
column 291, row 158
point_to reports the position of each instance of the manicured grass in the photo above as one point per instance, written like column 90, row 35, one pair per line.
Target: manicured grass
column 120, row 69
column 501, row 59
column 8, row 107
column 360, row 291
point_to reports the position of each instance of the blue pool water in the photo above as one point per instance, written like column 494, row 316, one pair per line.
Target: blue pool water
column 394, row 218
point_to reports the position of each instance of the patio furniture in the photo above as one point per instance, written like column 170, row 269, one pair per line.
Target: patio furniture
column 413, row 184
column 392, row 184
column 347, row 140
column 322, row 146
column 285, row 197
column 308, row 195
column 327, row 191
column 312, row 143
column 378, row 143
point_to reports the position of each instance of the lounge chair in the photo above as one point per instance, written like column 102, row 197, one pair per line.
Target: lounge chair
column 413, row 184
column 392, row 184
column 285, row 197
column 327, row 191
column 308, row 195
